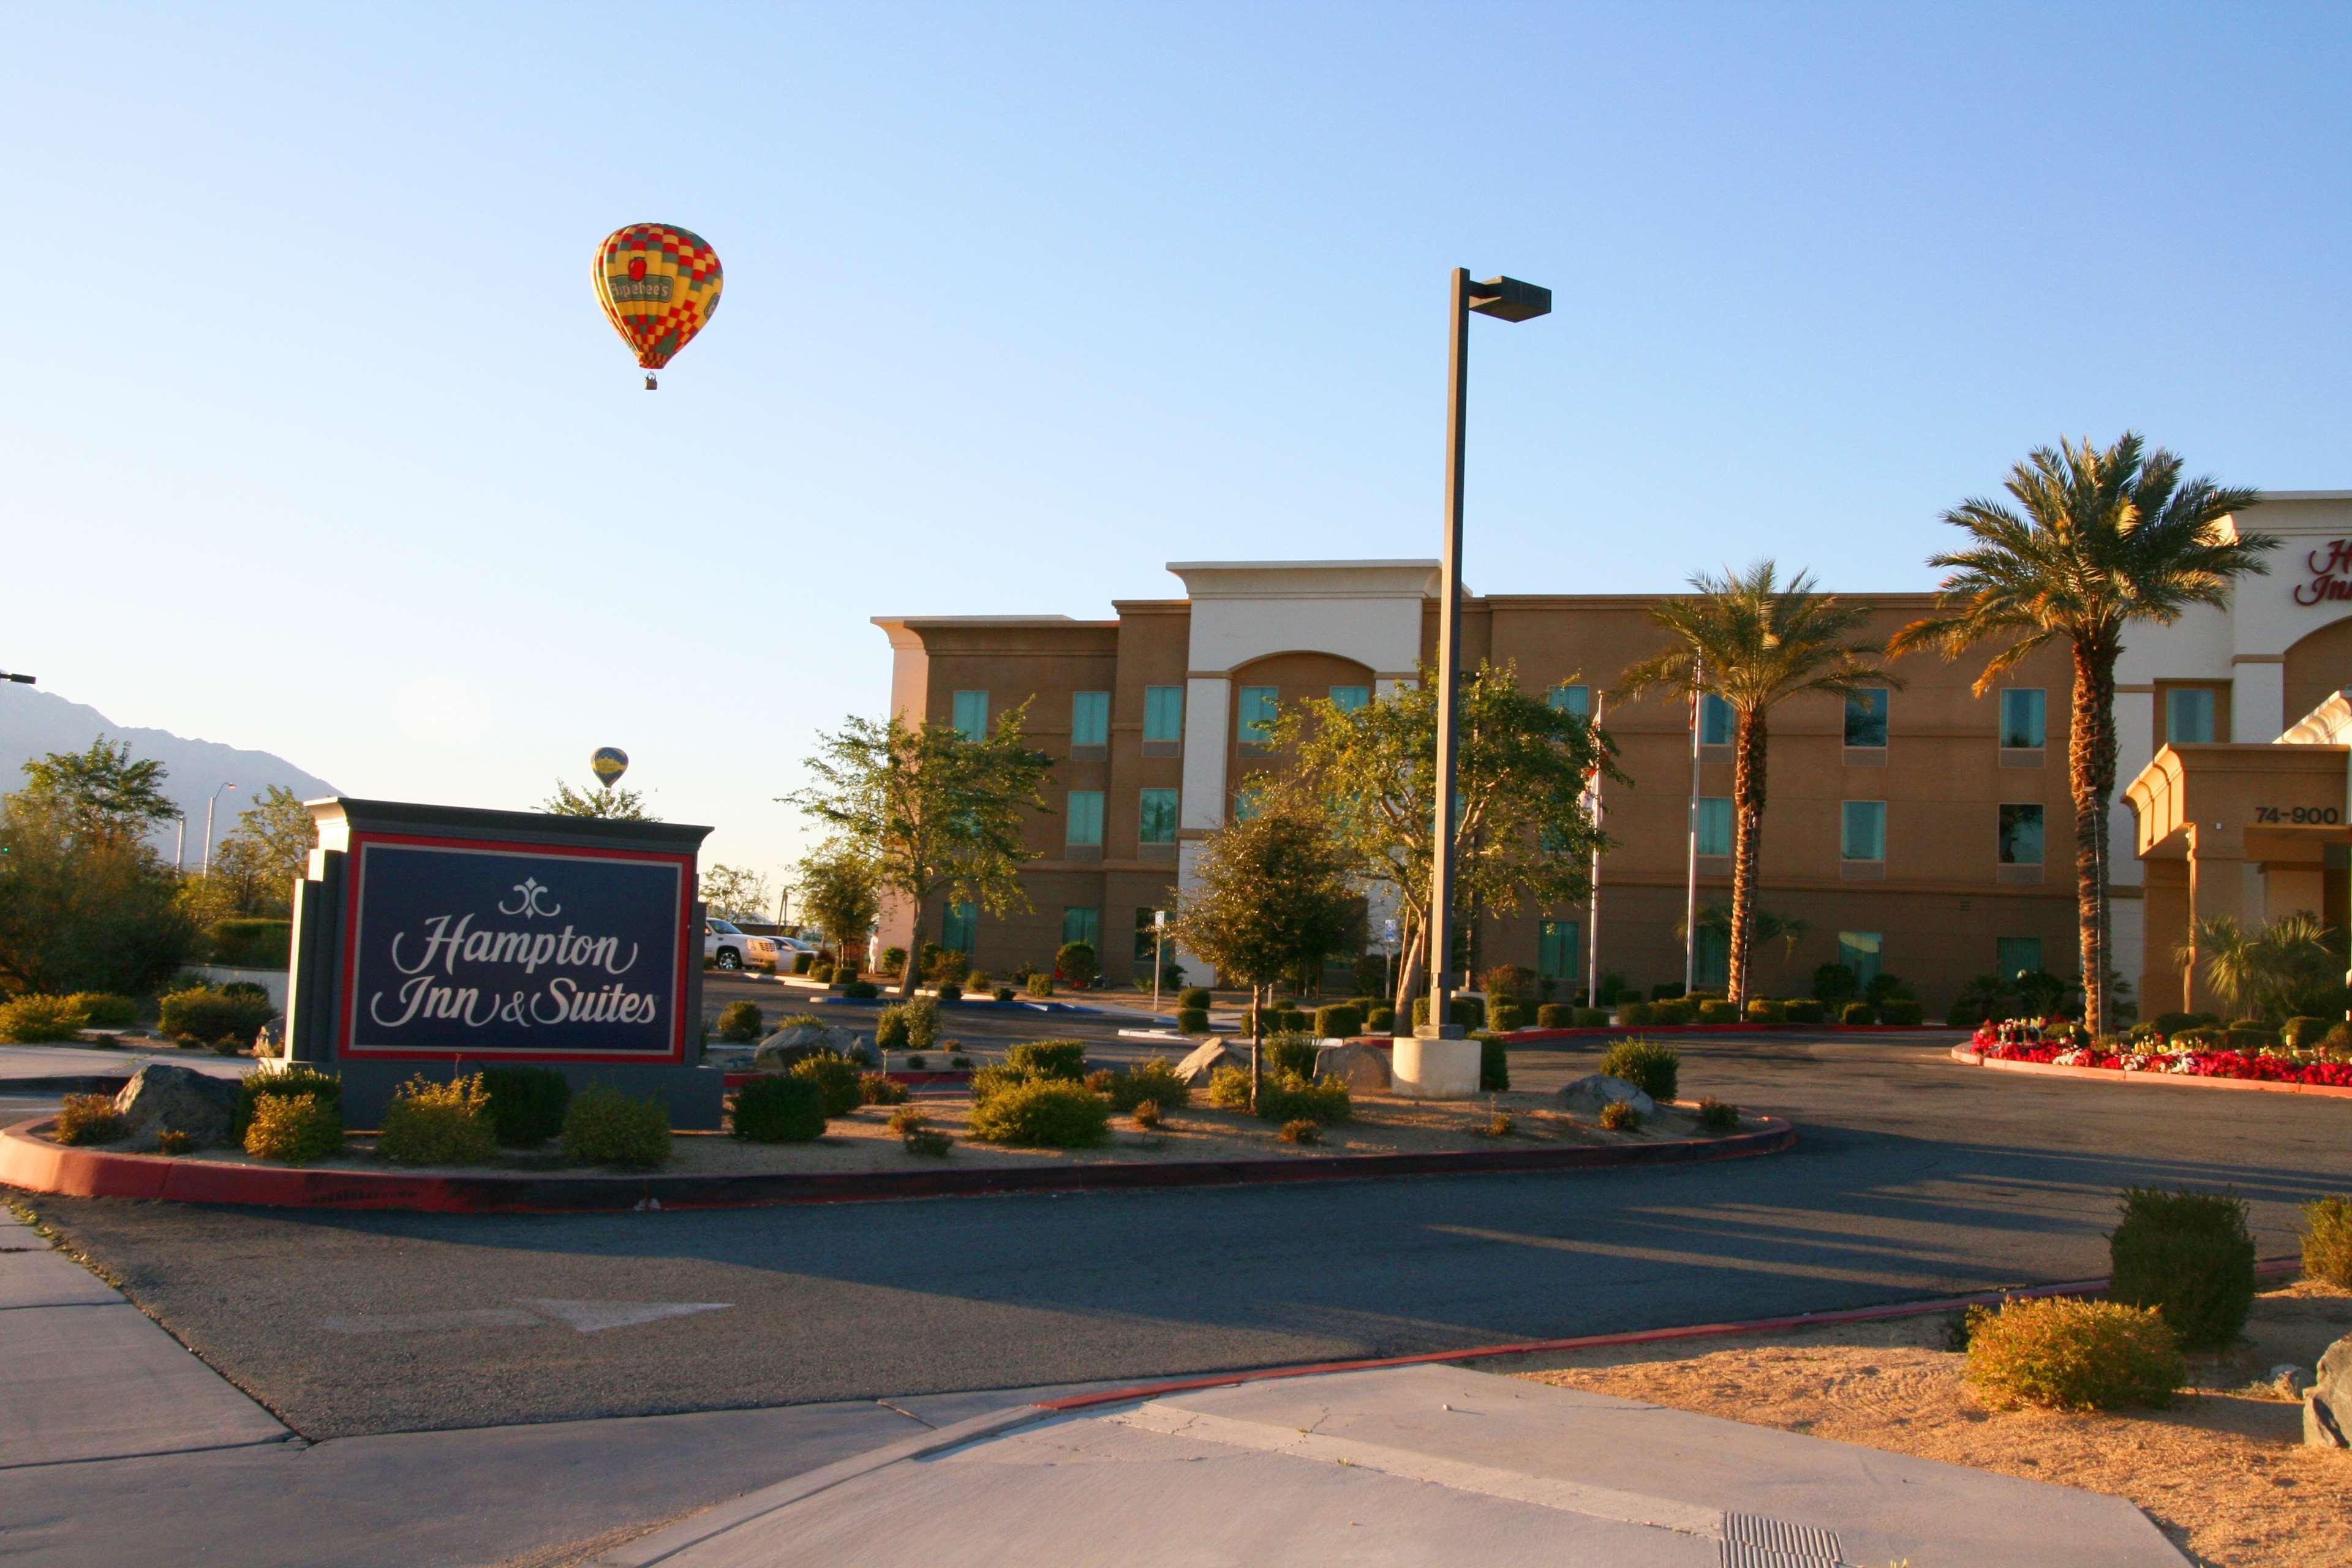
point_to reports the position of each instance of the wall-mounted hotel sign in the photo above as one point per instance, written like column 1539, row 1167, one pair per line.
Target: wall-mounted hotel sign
column 2330, row 569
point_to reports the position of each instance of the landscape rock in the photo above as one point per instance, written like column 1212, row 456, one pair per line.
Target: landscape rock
column 1196, row 1068
column 2327, row 1407
column 1589, row 1094
column 782, row 1049
column 1360, row 1066
column 165, row 1098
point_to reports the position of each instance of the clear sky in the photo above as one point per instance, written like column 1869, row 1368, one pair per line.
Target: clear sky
column 315, row 440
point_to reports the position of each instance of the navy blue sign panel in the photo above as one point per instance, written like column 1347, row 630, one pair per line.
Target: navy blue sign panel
column 489, row 950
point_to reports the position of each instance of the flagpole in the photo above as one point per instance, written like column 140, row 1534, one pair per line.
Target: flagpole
column 1690, row 885
column 1592, row 918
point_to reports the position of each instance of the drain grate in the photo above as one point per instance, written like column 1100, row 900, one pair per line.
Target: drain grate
column 1752, row 1540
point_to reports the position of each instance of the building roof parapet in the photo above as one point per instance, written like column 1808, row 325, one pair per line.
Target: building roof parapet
column 1386, row 579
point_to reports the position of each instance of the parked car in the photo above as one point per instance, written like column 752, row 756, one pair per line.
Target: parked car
column 726, row 947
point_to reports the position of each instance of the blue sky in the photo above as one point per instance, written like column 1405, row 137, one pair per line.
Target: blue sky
column 316, row 441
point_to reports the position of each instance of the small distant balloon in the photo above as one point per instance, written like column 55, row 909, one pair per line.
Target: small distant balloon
column 659, row 285
column 608, row 764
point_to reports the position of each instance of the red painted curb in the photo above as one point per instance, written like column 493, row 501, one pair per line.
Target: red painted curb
column 2187, row 1080
column 913, row 1079
column 2271, row 1266
column 39, row 1166
column 1517, row 1037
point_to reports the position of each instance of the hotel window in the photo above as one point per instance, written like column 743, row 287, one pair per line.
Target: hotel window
column 1082, row 922
column 1559, row 954
column 1085, row 817
column 1156, row 819
column 1576, row 699
column 1090, row 719
column 1711, row 958
column 1163, row 712
column 1348, row 699
column 1714, row 720
column 1862, row 835
column 1858, row 950
column 971, row 715
column 959, row 930
column 2188, row 715
column 2017, row 955
column 2020, row 836
column 1256, row 712
column 1714, row 824
column 2023, row 719
column 1865, row 717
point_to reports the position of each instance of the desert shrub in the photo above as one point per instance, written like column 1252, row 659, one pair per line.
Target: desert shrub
column 1381, row 1020
column 1634, row 1014
column 922, row 1015
column 1287, row 1052
column 605, row 1127
column 1229, row 1089
column 1619, row 1116
column 906, row 1119
column 2064, row 1353
column 1804, row 1010
column 740, row 1021
column 1468, row 1012
column 430, row 1124
column 1556, row 1015
column 1154, row 1080
column 821, row 972
column 1286, row 1097
column 2251, row 1037
column 104, row 1009
column 960, row 1061
column 1714, row 1012
column 1003, row 993
column 2187, row 1255
column 1653, row 1068
column 861, row 991
column 175, row 1140
column 30, row 1019
column 88, row 1119
column 1716, row 1116
column 890, row 1027
column 803, row 962
column 1858, row 1013
column 927, row 1141
column 1039, row 984
column 1675, row 1012
column 294, row 1129
column 1076, row 963
column 880, row 1088
column 2299, row 1033
column 990, row 1082
column 246, row 988
column 1042, row 1113
column 2328, row 1241
column 1304, row 1130
column 1294, row 1020
column 265, row 1083
column 918, row 1062
column 1760, row 1011
column 1494, row 1066
column 203, row 1012
column 1193, row 997
column 1192, row 1020
column 948, row 991
column 1591, row 1017
column 777, row 1108
column 836, row 1078
column 1498, row 1124
column 1049, row 1059
column 526, row 1103
column 1516, row 981
column 2171, row 1024
column 1337, row 1020
column 1147, row 1113
column 894, row 959
column 1835, row 985
column 1901, row 1011
column 1504, row 1015
column 2203, row 1035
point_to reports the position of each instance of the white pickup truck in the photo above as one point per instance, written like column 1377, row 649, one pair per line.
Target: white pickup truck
column 725, row 947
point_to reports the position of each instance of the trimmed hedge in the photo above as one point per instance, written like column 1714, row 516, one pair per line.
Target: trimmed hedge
column 1381, row 1020
column 1634, row 1015
column 777, row 1108
column 836, row 1078
column 526, row 1104
column 1900, row 1010
column 203, row 1014
column 32, row 1019
column 2300, row 1034
column 430, row 1124
column 1469, row 1012
column 1337, row 1020
column 1556, row 1015
column 244, row 943
column 2187, row 1255
column 1804, row 1010
column 1670, row 1013
column 104, row 1009
column 1049, row 1059
column 1043, row 1113
column 1494, row 1066
column 1760, row 1011
column 1192, row 1020
column 1506, row 1015
column 1290, row 1053
column 1193, row 997
column 1717, row 1013
column 1649, row 1066
column 1858, row 1013
column 605, row 1127
column 1592, row 1017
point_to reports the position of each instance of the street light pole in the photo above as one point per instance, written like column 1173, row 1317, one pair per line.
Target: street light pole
column 209, row 826
column 1690, row 875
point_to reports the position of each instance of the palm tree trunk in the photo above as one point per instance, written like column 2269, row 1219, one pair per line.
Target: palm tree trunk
column 1748, row 839
column 2090, row 773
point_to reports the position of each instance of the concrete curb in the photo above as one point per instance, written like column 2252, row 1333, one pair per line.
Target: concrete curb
column 39, row 1166
column 1610, row 1031
column 2109, row 1075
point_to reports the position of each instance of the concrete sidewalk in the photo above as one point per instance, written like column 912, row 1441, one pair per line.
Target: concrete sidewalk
column 37, row 1070
column 1400, row 1466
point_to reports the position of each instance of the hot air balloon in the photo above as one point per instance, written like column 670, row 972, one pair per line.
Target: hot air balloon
column 608, row 764
column 658, row 285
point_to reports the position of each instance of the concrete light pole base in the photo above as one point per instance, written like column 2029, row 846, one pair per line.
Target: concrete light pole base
column 1425, row 1068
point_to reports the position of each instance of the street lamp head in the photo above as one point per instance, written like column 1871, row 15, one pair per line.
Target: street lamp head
column 1509, row 299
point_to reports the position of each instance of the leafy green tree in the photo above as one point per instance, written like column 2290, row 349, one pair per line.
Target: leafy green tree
column 85, row 905
column 103, row 795
column 734, row 893
column 2099, row 538
column 267, row 852
column 839, row 892
column 1522, row 830
column 1756, row 641
column 936, row 814
column 605, row 802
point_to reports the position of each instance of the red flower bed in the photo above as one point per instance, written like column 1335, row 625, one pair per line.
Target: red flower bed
column 2193, row 1064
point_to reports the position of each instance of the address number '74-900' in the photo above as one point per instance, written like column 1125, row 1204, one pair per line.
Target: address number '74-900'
column 2310, row 816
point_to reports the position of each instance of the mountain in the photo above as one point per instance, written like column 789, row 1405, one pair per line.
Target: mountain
column 35, row 723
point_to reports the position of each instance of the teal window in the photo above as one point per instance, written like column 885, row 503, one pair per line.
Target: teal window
column 1146, row 934
column 2020, row 836
column 1163, row 712
column 1711, row 959
column 1863, row 834
column 959, row 930
column 2188, row 715
column 1082, row 922
column 2017, row 955
column 1858, row 950
column 1714, row 720
column 1576, row 699
column 1865, row 717
column 1714, row 824
column 1156, row 819
column 1090, row 719
column 1086, row 816
column 1559, row 951
column 1348, row 699
column 971, row 715
column 1255, row 710
column 2024, row 719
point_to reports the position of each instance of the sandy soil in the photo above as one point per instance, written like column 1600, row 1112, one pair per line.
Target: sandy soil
column 2223, row 1472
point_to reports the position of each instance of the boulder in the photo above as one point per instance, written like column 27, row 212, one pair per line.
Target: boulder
column 1587, row 1095
column 271, row 1039
column 2327, row 1407
column 165, row 1098
column 1196, row 1068
column 782, row 1049
column 1357, row 1066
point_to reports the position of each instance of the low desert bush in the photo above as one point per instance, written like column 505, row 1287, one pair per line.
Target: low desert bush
column 605, row 1127
column 1337, row 1020
column 430, row 1124
column 740, row 1021
column 1305, row 1130
column 1047, row 1113
column 949, row 991
column 1049, row 1059
column 803, row 962
column 1713, row 1012
column 1498, row 1124
column 2187, row 1255
column 837, row 1080
column 104, row 1009
column 861, row 991
column 1556, row 1015
column 2063, row 1354
column 88, row 1119
column 202, row 1012
column 2328, row 1241
column 1229, row 1089
column 906, row 1119
column 1858, row 1013
column 265, row 1083
column 175, row 1140
column 777, row 1108
column 880, row 1088
column 1147, row 1113
column 1468, row 1012
column 1716, row 1116
column 1193, row 997
column 31, row 1019
column 991, row 1081
column 1804, row 1010
column 294, row 1129
column 1286, row 1097
column 1591, row 1018
column 1003, row 993
column 917, row 1063
column 1901, row 1011
column 526, row 1104
column 1619, row 1116
column 2299, row 1033
column 1287, row 1052
column 960, row 1062
column 1672, row 1012
column 1634, row 1015
column 821, row 972
column 1192, row 1020
column 929, row 1141
column 1760, row 1011
column 1653, row 1068
column 1039, row 985
column 1154, row 1080
column 1494, row 1066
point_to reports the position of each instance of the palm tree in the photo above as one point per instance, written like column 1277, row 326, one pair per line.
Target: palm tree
column 2108, row 538
column 1754, row 641
column 2275, row 970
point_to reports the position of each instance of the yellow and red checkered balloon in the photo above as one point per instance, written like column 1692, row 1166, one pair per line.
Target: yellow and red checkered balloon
column 658, row 284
